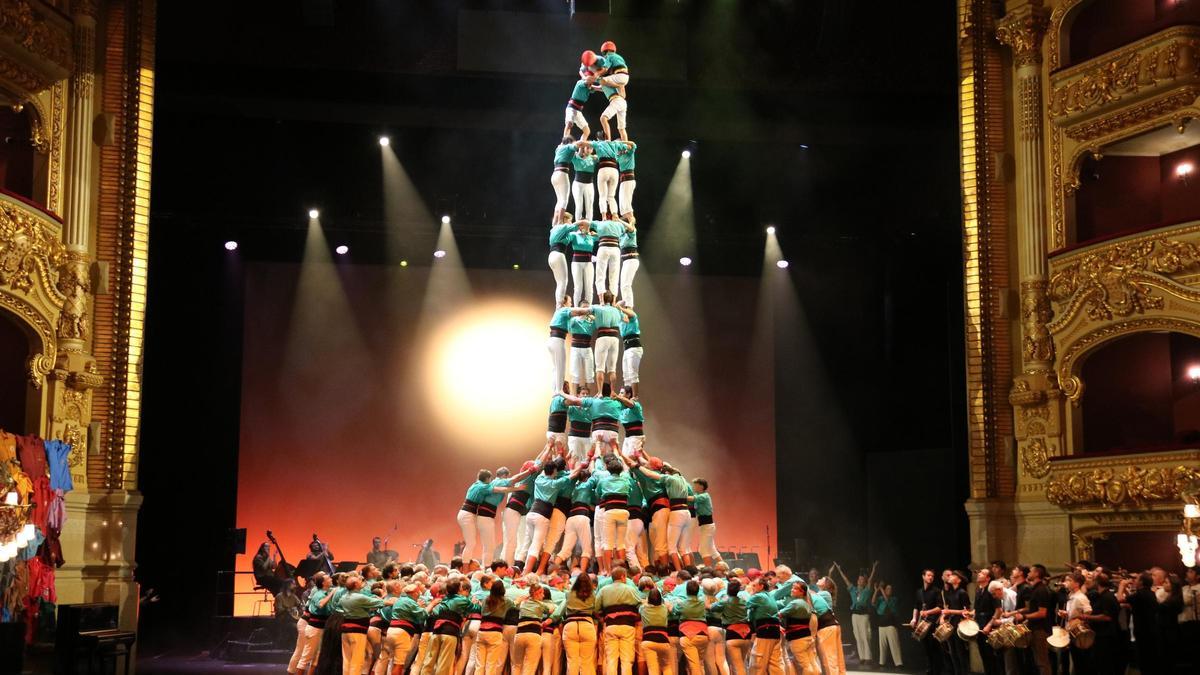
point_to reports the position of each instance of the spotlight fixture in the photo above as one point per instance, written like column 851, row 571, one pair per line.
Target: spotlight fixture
column 313, row 213
column 342, row 249
column 404, row 263
column 685, row 261
column 687, row 154
column 516, row 267
column 439, row 253
column 770, row 229
column 781, row 264
column 231, row 245
column 1184, row 171
column 445, row 220
column 385, row 141
column 803, row 146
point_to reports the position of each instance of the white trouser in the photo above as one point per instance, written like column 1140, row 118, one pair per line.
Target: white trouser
column 889, row 642
column 616, row 107
column 578, row 530
column 687, row 539
column 629, row 270
column 635, row 544
column 607, row 179
column 558, row 522
column 558, row 362
column 470, row 533
column 575, row 116
column 606, row 440
column 301, row 640
column 598, row 528
column 582, row 273
column 677, row 524
column 631, row 365
column 607, row 348
column 632, row 445
column 615, row 80
column 615, row 522
column 468, row 657
column 539, row 528
column 862, row 635
column 608, row 269
column 715, row 661
column 486, row 527
column 578, row 447
column 561, row 182
column 557, row 260
column 708, row 541
column 584, row 194
column 658, row 532
column 625, row 202
column 514, row 532
column 583, row 366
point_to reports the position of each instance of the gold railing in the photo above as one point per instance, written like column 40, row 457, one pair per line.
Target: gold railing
column 1125, row 481
column 1167, row 60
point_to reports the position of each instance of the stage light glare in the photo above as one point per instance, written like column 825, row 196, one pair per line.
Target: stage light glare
column 781, row 264
column 445, row 220
column 231, row 245
column 342, row 249
column 770, row 229
column 404, row 263
column 313, row 213
column 1184, row 169
column 685, row 261
column 1193, row 373
column 385, row 141
column 687, row 154
column 439, row 253
column 490, row 351
column 516, row 267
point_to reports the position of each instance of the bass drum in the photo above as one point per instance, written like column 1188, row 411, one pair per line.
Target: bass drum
column 1081, row 635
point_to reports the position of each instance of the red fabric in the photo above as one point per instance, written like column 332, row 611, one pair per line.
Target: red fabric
column 41, row 587
column 31, row 452
column 43, row 498
column 608, row 46
column 588, row 58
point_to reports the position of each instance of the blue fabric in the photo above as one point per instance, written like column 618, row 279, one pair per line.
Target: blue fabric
column 60, row 474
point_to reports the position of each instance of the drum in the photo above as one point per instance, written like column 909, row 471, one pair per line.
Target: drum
column 968, row 629
column 1021, row 637
column 998, row 639
column 922, row 629
column 943, row 631
column 1059, row 639
column 1080, row 634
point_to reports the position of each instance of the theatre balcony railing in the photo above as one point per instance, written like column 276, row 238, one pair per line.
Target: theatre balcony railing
column 1162, row 71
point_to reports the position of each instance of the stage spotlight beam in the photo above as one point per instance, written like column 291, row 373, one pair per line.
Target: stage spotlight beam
column 314, row 213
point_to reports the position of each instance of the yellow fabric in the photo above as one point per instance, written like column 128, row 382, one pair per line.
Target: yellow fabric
column 8, row 447
column 829, row 643
column 579, row 642
column 658, row 658
column 354, row 652
column 397, row 643
column 618, row 649
column 804, row 656
column 766, row 656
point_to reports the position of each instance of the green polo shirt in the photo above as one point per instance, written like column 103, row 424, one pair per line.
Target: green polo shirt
column 703, row 504
column 584, row 164
column 561, row 234
column 563, row 154
column 625, row 160
column 581, row 324
column 607, row 316
column 547, row 489
column 761, row 606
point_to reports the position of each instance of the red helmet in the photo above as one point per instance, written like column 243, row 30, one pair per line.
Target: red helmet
column 588, row 58
column 608, row 46
column 529, row 465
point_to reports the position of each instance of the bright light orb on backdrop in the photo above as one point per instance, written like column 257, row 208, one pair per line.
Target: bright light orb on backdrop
column 487, row 378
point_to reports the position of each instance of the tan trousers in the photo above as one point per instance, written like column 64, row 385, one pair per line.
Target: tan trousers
column 579, row 642
column 766, row 656
column 551, row 652
column 492, row 652
column 354, row 652
column 397, row 643
column 804, row 655
column 439, row 656
column 695, row 649
column 526, row 654
column 618, row 649
column 738, row 651
column 658, row 658
column 829, row 644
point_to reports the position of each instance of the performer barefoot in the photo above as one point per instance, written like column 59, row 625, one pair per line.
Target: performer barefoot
column 560, row 241
column 579, row 521
column 626, row 162
column 611, row 73
column 583, row 188
column 632, row 421
column 560, row 178
column 708, row 529
column 556, row 344
column 607, row 329
column 581, row 327
column 608, row 254
column 579, row 98
column 579, row 427
column 581, row 242
column 631, row 357
column 546, row 489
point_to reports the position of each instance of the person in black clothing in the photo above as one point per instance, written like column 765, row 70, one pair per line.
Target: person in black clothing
column 957, row 604
column 1103, row 621
column 1143, row 609
column 264, row 570
column 1168, row 621
column 1060, row 660
column 985, row 608
column 1019, row 582
column 928, row 608
column 1038, row 615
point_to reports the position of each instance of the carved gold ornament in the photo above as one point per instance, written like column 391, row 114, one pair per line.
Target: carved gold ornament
column 26, row 249
column 1022, row 32
column 1116, row 488
column 1035, row 459
column 1116, row 281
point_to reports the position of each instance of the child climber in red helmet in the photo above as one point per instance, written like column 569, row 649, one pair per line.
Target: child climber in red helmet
column 611, row 73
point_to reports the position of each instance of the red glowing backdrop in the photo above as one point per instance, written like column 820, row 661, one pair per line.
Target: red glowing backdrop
column 350, row 428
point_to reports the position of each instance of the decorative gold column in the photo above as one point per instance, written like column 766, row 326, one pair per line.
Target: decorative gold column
column 1021, row 30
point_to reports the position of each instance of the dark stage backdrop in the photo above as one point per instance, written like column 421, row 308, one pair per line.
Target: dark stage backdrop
column 372, row 395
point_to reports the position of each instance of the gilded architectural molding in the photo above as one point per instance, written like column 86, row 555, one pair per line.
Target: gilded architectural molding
column 1035, row 459
column 1021, row 31
column 44, row 38
column 1130, row 486
column 1035, row 314
column 1070, row 354
column 30, row 251
column 1055, row 29
column 1131, row 121
column 1160, row 61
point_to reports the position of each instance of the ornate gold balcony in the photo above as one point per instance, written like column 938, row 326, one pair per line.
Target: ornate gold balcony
column 1164, row 67
column 1142, row 481
column 35, row 45
column 31, row 257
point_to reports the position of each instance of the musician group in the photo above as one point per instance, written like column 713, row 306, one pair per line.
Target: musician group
column 1022, row 621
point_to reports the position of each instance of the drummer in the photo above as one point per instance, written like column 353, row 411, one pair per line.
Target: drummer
column 987, row 608
column 958, row 604
column 926, row 610
column 1078, row 611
